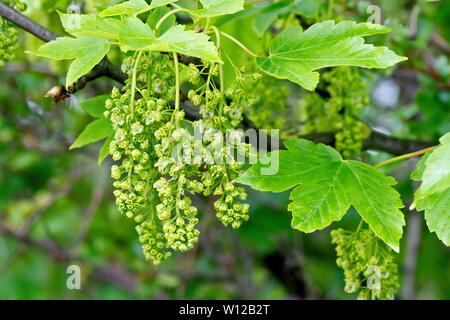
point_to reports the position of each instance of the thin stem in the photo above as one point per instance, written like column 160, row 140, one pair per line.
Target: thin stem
column 221, row 75
column 176, row 6
column 404, row 157
column 177, row 77
column 167, row 15
column 359, row 225
column 219, row 49
column 240, row 44
column 330, row 8
column 133, row 82
column 196, row 23
column 177, row 85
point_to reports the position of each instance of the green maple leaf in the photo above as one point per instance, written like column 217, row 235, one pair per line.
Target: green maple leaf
column 95, row 131
column 101, row 27
column 266, row 16
column 326, row 187
column 133, row 7
column 136, row 35
column 98, row 129
column 156, row 15
column 433, row 195
column 87, row 52
column 436, row 175
column 214, row 8
column 72, row 22
column 95, row 107
column 104, row 151
column 91, row 25
column 295, row 55
column 190, row 43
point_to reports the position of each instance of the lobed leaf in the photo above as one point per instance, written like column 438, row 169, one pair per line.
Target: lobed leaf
column 95, row 131
column 133, row 7
column 136, row 35
column 214, row 8
column 104, row 151
column 102, row 28
column 433, row 196
column 156, row 14
column 326, row 188
column 295, row 55
column 87, row 52
column 95, row 106
column 267, row 15
column 436, row 176
column 72, row 22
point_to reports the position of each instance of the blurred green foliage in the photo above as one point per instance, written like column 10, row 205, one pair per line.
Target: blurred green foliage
column 65, row 199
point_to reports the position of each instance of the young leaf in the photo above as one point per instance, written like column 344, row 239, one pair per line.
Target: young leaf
column 268, row 15
column 437, row 214
column 295, row 55
column 104, row 151
column 87, row 52
column 72, row 22
column 95, row 131
column 306, row 8
column 189, row 42
column 326, row 188
column 95, row 106
column 102, row 28
column 91, row 25
column 420, row 168
column 433, row 196
column 160, row 3
column 436, row 176
column 133, row 7
column 156, row 14
column 136, row 35
column 214, row 8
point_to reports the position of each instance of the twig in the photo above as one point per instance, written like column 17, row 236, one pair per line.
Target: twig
column 413, row 25
column 27, row 24
column 395, row 146
column 105, row 68
column 50, row 247
column 56, row 195
column 244, row 280
column 189, row 260
column 114, row 275
column 240, row 44
column 410, row 265
column 92, row 208
column 440, row 43
column 404, row 157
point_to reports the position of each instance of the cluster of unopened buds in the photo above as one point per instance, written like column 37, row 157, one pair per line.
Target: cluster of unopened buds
column 160, row 163
column 9, row 35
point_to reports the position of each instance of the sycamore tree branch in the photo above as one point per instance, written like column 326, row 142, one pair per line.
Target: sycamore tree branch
column 379, row 141
column 114, row 275
column 50, row 247
column 376, row 141
column 25, row 23
column 104, row 68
